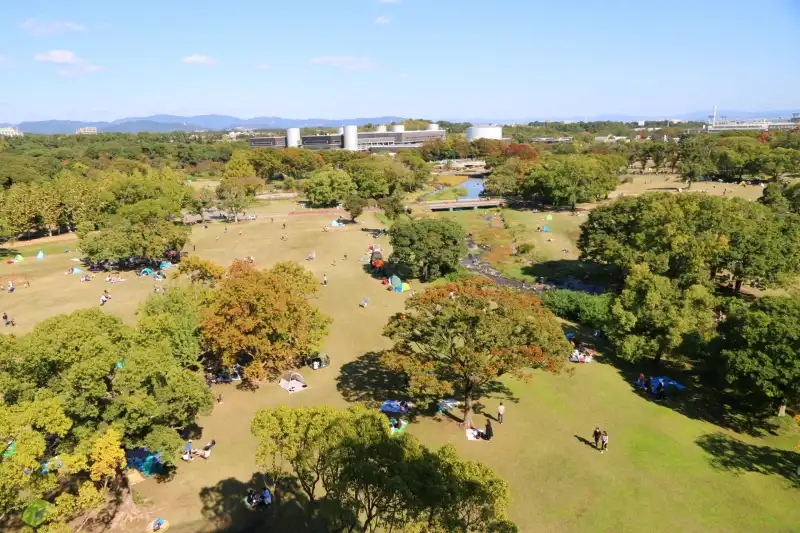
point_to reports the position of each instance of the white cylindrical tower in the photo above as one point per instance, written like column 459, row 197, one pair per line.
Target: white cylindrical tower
column 341, row 130
column 433, row 127
column 293, row 137
column 351, row 138
column 484, row 132
column 381, row 128
column 398, row 128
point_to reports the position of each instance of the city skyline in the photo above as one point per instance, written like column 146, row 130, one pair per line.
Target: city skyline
column 407, row 58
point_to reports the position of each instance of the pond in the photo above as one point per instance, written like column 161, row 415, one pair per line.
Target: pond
column 474, row 187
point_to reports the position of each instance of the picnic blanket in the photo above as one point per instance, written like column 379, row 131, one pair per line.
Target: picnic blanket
column 472, row 434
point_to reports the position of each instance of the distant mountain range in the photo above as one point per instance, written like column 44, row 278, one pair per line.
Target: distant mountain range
column 167, row 123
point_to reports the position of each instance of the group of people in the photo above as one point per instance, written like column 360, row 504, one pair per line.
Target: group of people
column 189, row 452
column 8, row 321
column 647, row 385
column 600, row 439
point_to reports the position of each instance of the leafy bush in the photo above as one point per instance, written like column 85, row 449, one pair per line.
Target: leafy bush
column 460, row 273
column 587, row 309
column 524, row 248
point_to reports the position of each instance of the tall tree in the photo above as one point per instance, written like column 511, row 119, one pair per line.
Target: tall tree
column 354, row 205
column 239, row 166
column 759, row 345
column 329, row 186
column 265, row 316
column 427, row 248
column 653, row 315
column 464, row 342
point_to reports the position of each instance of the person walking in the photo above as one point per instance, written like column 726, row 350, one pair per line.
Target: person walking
column 364, row 302
column 604, row 441
column 501, row 410
column 325, row 280
column 488, row 432
column 596, row 434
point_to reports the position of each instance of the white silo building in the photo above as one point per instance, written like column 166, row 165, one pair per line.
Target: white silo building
column 293, row 137
column 433, row 127
column 398, row 128
column 351, row 138
column 381, row 128
column 485, row 132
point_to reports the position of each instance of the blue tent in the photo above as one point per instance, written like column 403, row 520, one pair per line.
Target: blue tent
column 40, row 255
column 146, row 272
column 165, row 265
column 668, row 382
column 76, row 270
column 145, row 461
column 393, row 406
column 546, row 229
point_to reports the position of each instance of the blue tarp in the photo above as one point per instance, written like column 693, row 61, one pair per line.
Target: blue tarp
column 393, row 406
column 546, row 229
column 76, row 270
column 667, row 383
column 145, row 461
column 165, row 265
column 336, row 223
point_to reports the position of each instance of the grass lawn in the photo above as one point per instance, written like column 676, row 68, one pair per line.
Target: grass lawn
column 662, row 467
column 447, row 194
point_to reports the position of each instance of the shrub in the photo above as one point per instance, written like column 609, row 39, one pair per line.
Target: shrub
column 586, row 309
column 524, row 248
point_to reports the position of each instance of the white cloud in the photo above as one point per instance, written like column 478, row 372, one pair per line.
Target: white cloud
column 76, row 65
column 198, row 59
column 60, row 57
column 345, row 62
column 50, row 27
column 382, row 20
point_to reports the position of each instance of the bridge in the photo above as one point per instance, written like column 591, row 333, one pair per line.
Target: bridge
column 460, row 205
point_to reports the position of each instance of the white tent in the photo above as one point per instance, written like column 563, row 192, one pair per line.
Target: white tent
column 293, row 382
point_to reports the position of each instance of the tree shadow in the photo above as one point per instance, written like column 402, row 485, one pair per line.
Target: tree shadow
column 704, row 398
column 575, row 274
column 8, row 252
column 739, row 457
column 368, row 381
column 224, row 507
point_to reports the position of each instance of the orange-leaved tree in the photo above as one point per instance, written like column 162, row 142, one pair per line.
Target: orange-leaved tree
column 460, row 338
column 264, row 317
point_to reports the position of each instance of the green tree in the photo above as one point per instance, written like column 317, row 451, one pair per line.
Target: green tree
column 239, row 166
column 329, row 186
column 144, row 229
column 653, row 316
column 759, row 345
column 427, row 248
column 202, row 201
column 569, row 180
column 354, row 205
column 236, row 194
column 463, row 342
column 172, row 322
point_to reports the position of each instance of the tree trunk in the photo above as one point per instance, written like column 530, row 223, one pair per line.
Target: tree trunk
column 737, row 287
column 468, row 405
column 657, row 359
column 782, row 409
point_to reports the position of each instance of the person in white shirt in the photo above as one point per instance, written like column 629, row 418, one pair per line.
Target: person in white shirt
column 501, row 410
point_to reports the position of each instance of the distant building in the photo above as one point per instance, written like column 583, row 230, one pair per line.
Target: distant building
column 488, row 131
column 611, row 139
column 349, row 138
column 87, row 130
column 749, row 125
column 552, row 140
column 11, row 132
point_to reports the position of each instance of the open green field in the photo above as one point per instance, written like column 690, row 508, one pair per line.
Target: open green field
column 665, row 468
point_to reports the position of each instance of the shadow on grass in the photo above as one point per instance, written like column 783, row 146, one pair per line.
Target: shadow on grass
column 574, row 274
column 587, row 442
column 739, row 457
column 367, row 380
column 8, row 252
column 703, row 399
column 223, row 506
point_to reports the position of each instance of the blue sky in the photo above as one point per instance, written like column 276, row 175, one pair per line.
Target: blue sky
column 93, row 60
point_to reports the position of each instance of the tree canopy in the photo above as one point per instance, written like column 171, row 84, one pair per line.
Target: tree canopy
column 759, row 346
column 427, row 248
column 459, row 338
column 263, row 318
column 403, row 484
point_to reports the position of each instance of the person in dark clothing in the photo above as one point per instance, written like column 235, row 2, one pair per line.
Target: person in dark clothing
column 660, row 391
column 488, row 433
column 596, row 434
column 648, row 386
